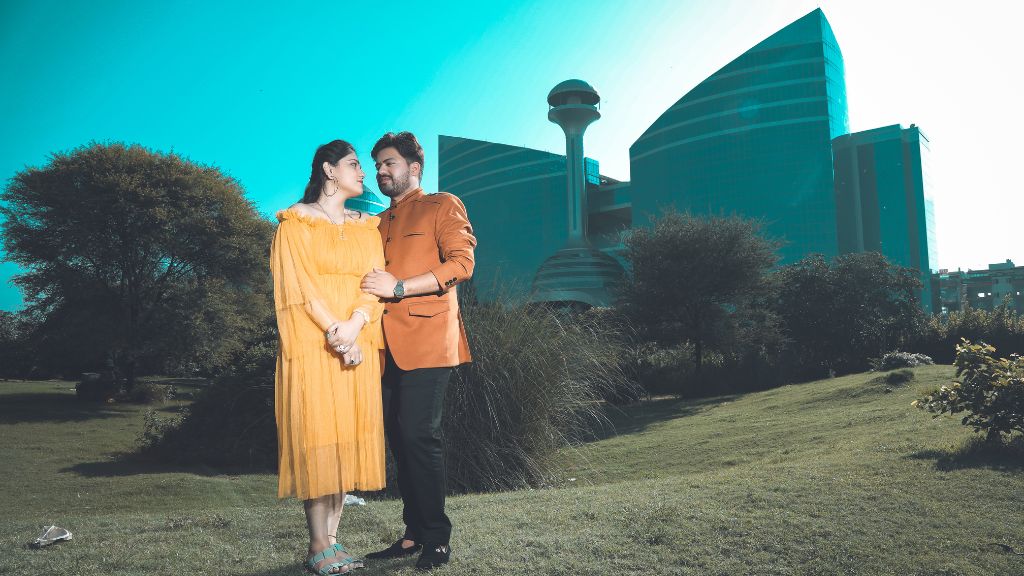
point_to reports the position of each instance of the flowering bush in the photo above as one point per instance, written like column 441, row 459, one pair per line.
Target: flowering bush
column 896, row 359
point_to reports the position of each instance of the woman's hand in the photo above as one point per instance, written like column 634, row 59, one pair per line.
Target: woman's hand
column 342, row 335
column 353, row 357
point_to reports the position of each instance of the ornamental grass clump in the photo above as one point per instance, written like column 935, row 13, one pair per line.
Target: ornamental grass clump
column 990, row 390
column 535, row 385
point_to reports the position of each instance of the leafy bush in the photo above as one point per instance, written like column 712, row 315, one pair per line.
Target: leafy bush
column 534, row 386
column 837, row 314
column 97, row 388
column 149, row 393
column 990, row 390
column 666, row 370
column 155, row 427
column 1002, row 328
column 895, row 359
column 231, row 423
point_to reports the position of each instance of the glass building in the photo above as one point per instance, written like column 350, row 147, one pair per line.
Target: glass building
column 882, row 183
column 765, row 137
column 369, row 201
column 516, row 199
column 754, row 139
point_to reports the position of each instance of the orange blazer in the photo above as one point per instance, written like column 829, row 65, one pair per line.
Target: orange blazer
column 427, row 233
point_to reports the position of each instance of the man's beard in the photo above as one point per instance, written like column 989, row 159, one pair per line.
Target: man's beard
column 394, row 186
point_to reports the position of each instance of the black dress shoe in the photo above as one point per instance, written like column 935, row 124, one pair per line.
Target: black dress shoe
column 433, row 556
column 395, row 551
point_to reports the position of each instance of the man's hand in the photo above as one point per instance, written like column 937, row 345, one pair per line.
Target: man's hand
column 353, row 357
column 379, row 283
column 343, row 336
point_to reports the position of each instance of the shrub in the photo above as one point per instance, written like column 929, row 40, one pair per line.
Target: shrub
column 97, row 388
column 989, row 390
column 895, row 359
column 231, row 423
column 665, row 370
column 1002, row 328
column 154, row 428
column 837, row 314
column 149, row 393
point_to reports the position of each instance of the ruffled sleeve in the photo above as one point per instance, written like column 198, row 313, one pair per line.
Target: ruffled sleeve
column 295, row 291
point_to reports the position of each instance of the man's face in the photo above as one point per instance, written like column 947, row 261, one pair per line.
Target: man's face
column 392, row 172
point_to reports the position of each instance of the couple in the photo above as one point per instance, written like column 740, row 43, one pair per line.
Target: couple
column 358, row 296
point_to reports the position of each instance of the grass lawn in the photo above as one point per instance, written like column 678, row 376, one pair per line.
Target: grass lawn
column 838, row 476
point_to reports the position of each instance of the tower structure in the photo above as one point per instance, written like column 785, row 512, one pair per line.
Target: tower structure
column 577, row 274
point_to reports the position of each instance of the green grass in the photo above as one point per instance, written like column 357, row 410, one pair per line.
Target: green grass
column 839, row 476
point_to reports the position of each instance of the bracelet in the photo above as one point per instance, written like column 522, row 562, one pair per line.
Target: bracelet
column 361, row 312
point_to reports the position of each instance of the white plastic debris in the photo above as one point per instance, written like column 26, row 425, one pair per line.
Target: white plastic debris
column 51, row 535
column 351, row 500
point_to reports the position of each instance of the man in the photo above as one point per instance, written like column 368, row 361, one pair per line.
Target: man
column 428, row 249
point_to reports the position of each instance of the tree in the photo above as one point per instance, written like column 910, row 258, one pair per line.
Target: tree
column 136, row 258
column 694, row 278
column 838, row 315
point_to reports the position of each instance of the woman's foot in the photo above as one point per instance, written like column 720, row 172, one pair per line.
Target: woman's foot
column 332, row 560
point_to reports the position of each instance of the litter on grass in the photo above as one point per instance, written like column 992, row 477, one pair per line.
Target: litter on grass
column 351, row 500
column 51, row 535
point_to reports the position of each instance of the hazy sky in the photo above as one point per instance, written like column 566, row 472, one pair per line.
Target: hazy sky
column 254, row 87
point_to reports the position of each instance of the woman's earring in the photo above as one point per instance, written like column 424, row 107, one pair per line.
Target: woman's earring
column 335, row 189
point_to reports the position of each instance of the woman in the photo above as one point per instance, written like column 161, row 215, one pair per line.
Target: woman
column 329, row 418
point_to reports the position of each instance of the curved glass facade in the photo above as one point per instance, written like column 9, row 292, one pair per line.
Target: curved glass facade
column 754, row 139
column 368, row 201
column 765, row 137
column 516, row 201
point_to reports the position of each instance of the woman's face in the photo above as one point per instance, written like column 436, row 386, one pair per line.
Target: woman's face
column 347, row 174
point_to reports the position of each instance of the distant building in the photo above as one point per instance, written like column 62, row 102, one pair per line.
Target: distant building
column 754, row 139
column 369, row 201
column 882, row 192
column 979, row 289
column 765, row 137
column 516, row 199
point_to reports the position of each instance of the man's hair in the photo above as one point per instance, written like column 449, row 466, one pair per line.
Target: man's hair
column 406, row 144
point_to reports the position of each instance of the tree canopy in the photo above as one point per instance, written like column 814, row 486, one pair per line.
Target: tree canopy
column 136, row 258
column 838, row 314
column 693, row 277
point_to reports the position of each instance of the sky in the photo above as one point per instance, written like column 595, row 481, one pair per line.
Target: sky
column 254, row 87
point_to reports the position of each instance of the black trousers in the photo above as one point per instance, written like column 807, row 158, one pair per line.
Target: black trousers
column 413, row 404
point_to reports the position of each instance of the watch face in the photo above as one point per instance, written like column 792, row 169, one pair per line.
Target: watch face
column 400, row 289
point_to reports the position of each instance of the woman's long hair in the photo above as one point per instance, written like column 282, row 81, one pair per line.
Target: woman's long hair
column 330, row 153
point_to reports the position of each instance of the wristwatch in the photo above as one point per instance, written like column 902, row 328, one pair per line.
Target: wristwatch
column 400, row 289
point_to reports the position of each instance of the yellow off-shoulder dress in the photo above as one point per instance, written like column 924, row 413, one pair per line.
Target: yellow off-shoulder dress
column 330, row 425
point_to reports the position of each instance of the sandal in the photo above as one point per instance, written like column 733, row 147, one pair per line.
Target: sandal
column 329, row 569
column 340, row 550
